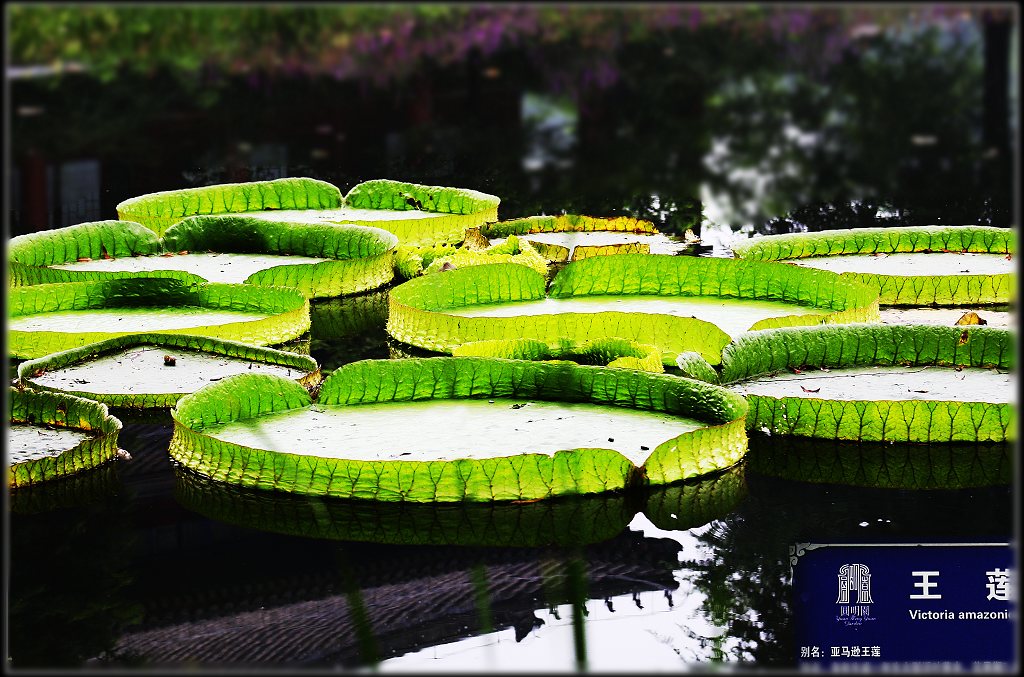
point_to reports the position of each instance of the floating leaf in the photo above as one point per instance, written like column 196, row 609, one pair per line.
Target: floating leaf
column 85, row 436
column 48, row 318
column 610, row 352
column 126, row 371
column 571, row 237
column 864, row 349
column 430, row 313
column 419, row 215
column 954, row 288
column 159, row 211
column 720, row 443
column 318, row 260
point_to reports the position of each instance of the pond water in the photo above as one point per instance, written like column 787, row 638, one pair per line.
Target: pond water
column 802, row 122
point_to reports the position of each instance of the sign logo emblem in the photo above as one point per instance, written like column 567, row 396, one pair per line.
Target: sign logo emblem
column 854, row 578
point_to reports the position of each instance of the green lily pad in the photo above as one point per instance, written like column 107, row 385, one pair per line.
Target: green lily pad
column 884, row 466
column 148, row 371
column 48, row 318
column 609, row 352
column 320, row 261
column 570, row 237
column 922, row 265
column 570, row 520
column 159, row 211
column 413, row 261
column 267, row 432
column 876, row 382
column 53, row 435
column 418, row 215
column 659, row 297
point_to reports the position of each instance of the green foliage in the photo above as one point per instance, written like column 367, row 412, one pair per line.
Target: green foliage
column 63, row 411
column 307, row 368
column 953, row 289
column 287, row 310
column 765, row 353
column 162, row 210
column 523, row 477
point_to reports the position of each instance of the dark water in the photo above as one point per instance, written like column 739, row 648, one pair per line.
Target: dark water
column 141, row 564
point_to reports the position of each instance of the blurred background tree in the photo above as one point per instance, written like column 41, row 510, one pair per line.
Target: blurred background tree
column 776, row 117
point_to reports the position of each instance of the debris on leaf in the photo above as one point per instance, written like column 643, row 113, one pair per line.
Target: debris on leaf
column 475, row 240
column 964, row 335
column 971, row 317
column 183, row 252
column 796, row 370
column 447, row 266
column 809, row 390
column 167, row 254
column 83, row 259
column 169, row 361
column 916, row 391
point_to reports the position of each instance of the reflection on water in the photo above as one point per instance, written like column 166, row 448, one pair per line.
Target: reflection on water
column 70, row 582
column 555, row 522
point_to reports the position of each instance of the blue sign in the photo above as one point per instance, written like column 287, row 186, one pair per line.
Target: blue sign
column 898, row 607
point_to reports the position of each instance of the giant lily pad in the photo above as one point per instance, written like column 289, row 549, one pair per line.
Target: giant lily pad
column 48, row 318
column 159, row 211
column 570, row 237
column 55, row 435
column 876, row 382
column 324, row 260
column 459, row 429
column 884, row 466
column 419, row 215
column 148, row 371
column 678, row 303
column 609, row 352
column 938, row 265
column 570, row 520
